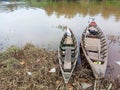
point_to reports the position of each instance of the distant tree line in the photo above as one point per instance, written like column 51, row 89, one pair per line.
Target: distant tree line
column 77, row 0
column 59, row 0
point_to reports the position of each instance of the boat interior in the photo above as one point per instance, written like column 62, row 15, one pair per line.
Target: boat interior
column 95, row 44
column 68, row 51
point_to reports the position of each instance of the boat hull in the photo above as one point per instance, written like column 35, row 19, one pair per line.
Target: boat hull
column 67, row 56
column 98, row 65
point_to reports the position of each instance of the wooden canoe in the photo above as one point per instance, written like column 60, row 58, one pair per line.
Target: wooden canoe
column 67, row 55
column 94, row 46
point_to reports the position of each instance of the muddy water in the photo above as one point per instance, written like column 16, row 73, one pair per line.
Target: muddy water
column 41, row 23
column 114, row 56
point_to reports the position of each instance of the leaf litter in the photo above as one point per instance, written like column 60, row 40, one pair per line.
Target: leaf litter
column 31, row 68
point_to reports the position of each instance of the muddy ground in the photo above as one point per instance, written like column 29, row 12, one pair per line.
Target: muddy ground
column 28, row 68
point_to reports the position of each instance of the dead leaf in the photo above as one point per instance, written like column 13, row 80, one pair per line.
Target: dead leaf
column 22, row 62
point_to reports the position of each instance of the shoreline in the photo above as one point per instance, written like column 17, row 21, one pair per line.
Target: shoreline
column 29, row 68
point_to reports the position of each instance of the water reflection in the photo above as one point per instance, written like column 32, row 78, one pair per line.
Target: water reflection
column 35, row 20
column 11, row 6
column 69, row 9
column 24, row 17
column 28, row 26
column 114, row 54
column 113, row 39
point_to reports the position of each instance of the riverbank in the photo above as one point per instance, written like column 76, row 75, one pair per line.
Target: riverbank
column 33, row 68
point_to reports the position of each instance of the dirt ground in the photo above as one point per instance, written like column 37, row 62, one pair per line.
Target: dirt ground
column 29, row 68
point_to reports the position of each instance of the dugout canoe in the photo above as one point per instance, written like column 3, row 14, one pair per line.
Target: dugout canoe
column 94, row 47
column 68, row 54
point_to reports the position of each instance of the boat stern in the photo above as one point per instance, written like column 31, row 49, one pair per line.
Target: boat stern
column 99, row 70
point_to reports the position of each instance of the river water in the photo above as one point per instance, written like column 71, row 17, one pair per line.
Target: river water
column 42, row 24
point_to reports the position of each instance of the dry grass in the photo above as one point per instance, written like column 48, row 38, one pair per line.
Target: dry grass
column 15, row 63
column 28, row 68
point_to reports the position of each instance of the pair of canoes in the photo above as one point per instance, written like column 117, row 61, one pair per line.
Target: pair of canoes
column 94, row 47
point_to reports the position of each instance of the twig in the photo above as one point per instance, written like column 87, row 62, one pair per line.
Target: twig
column 59, row 85
column 95, row 85
column 79, row 86
column 109, row 87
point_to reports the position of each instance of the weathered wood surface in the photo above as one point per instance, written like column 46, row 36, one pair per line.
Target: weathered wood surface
column 69, row 40
column 92, row 44
column 67, row 62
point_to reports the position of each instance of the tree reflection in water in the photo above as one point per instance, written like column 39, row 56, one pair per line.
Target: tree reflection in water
column 69, row 9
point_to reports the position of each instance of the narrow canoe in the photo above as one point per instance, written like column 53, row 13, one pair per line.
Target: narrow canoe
column 68, row 55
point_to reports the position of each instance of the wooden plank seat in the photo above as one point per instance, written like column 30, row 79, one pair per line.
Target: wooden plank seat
column 93, row 48
column 64, row 48
column 68, row 40
column 92, row 44
column 73, row 53
column 93, row 36
column 67, row 61
column 63, row 44
column 70, row 45
column 95, row 56
column 92, row 40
